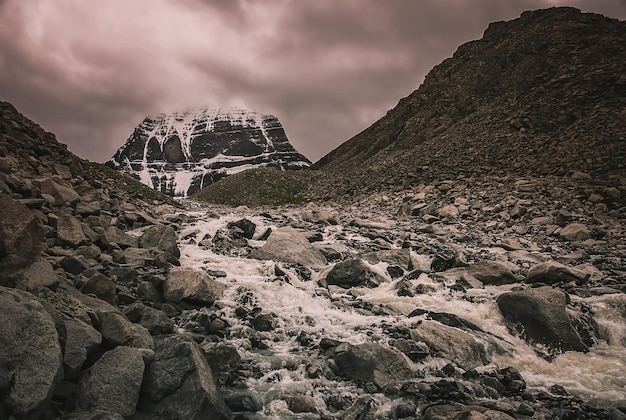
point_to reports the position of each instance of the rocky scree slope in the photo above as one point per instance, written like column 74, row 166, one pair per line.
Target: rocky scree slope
column 69, row 273
column 541, row 94
column 180, row 153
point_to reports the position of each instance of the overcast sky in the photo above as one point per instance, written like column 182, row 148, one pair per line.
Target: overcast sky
column 90, row 71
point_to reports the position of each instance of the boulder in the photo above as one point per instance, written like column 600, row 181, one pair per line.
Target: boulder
column 21, row 235
column 492, row 272
column 192, row 285
column 377, row 363
column 62, row 193
column 113, row 382
column 288, row 245
column 178, row 383
column 101, row 287
column 245, row 227
column 453, row 344
column 163, row 239
column 540, row 315
column 82, row 339
column 575, row 232
column 353, row 272
column 38, row 274
column 155, row 321
column 445, row 411
column 70, row 231
column 399, row 257
column 315, row 214
column 115, row 235
column 31, row 363
column 449, row 212
column 551, row 272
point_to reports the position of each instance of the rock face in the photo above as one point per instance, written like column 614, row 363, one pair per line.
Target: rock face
column 180, row 153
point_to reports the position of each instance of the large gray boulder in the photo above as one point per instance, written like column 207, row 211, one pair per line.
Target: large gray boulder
column 288, row 245
column 63, row 195
column 31, row 363
column 193, row 286
column 551, row 272
column 353, row 272
column 178, row 383
column 21, row 235
column 82, row 339
column 38, row 274
column 492, row 272
column 113, row 382
column 163, row 240
column 453, row 344
column 373, row 362
column 541, row 316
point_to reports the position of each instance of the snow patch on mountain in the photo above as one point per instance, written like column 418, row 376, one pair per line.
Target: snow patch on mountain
column 181, row 153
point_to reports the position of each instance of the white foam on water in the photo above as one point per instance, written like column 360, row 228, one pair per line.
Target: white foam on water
column 302, row 306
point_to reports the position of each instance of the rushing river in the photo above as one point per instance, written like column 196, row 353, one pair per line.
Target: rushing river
column 303, row 307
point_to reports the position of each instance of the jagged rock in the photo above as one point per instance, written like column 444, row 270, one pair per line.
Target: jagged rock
column 449, row 212
column 192, row 286
column 224, row 360
column 551, row 272
column 155, row 321
column 315, row 214
column 31, row 363
column 82, row 339
column 63, row 195
column 288, row 245
column 450, row 343
column 21, row 235
column 164, row 239
column 372, row 224
column 38, row 274
column 575, row 232
column 93, row 415
column 113, row 382
column 373, row 362
column 541, row 313
column 100, row 286
column 353, row 272
column 492, row 272
column 399, row 257
column 74, row 264
column 114, row 235
column 180, row 153
column 178, row 383
column 246, row 227
column 70, row 231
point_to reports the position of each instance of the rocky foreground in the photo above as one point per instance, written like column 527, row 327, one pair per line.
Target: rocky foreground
column 493, row 298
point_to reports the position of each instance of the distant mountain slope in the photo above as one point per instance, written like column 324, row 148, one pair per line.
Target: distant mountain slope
column 541, row 94
column 180, row 153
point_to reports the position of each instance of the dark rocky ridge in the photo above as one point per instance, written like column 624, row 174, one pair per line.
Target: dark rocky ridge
column 181, row 153
column 542, row 94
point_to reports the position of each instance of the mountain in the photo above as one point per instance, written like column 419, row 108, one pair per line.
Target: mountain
column 541, row 94
column 180, row 153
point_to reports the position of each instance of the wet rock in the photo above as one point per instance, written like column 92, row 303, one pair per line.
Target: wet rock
column 398, row 257
column 288, row 245
column 162, row 239
column 193, row 286
column 353, row 272
column 82, row 339
column 224, row 360
column 492, row 272
column 264, row 321
column 302, row 404
column 315, row 214
column 575, row 232
column 551, row 272
column 450, row 343
column 460, row 411
column 414, row 350
column 113, row 382
column 21, row 235
column 179, row 383
column 31, row 363
column 155, row 321
column 541, row 314
column 243, row 401
column 245, row 226
column 377, row 363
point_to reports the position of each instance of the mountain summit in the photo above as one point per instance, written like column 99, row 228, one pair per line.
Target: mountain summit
column 180, row 153
column 543, row 94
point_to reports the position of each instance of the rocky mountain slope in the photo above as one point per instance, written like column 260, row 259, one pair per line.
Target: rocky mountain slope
column 180, row 153
column 542, row 94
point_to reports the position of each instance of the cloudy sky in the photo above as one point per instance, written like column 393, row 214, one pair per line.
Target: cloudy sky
column 90, row 71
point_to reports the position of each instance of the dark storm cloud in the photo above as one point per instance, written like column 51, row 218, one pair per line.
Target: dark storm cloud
column 90, row 71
